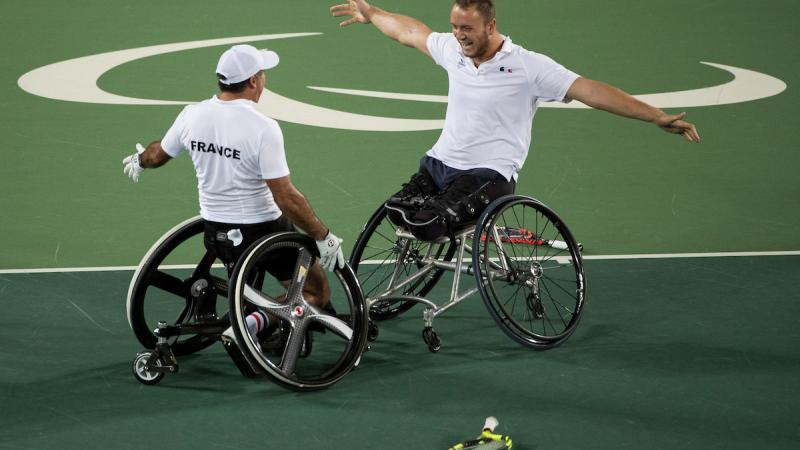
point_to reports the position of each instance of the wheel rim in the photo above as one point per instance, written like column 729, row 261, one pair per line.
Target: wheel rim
column 334, row 352
column 539, row 299
column 160, row 292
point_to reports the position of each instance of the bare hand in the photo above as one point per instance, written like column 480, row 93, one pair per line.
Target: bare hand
column 674, row 123
column 356, row 9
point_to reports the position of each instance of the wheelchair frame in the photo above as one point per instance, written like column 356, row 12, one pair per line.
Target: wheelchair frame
column 485, row 269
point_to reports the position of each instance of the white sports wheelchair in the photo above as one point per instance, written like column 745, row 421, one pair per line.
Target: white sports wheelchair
column 174, row 310
column 526, row 264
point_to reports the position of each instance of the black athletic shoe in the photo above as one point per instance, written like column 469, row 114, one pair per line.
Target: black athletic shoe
column 420, row 185
column 411, row 197
column 454, row 209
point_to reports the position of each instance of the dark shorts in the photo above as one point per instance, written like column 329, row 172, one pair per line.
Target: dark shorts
column 216, row 241
column 444, row 176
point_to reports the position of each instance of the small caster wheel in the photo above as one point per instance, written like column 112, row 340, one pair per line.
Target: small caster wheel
column 372, row 331
column 140, row 371
column 432, row 339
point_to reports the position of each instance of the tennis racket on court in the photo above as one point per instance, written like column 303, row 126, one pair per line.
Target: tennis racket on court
column 488, row 440
column 524, row 236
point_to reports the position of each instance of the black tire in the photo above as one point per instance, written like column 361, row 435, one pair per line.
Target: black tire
column 432, row 339
column 538, row 301
column 158, row 293
column 375, row 257
column 338, row 340
column 140, row 372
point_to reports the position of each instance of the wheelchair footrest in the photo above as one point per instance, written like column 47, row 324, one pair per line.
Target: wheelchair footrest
column 239, row 359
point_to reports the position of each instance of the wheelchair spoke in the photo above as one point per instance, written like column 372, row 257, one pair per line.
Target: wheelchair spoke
column 187, row 309
column 204, row 267
column 560, row 308
column 294, row 345
column 514, row 295
column 555, row 282
column 169, row 283
column 376, row 255
column 267, row 303
column 382, row 267
column 384, row 236
column 301, row 271
column 559, row 305
column 334, row 324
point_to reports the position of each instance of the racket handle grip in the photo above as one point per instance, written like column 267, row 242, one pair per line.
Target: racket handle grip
column 490, row 424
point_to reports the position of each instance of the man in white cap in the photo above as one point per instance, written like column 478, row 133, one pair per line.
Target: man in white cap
column 242, row 176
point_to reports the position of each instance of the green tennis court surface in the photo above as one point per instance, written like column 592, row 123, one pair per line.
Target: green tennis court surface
column 671, row 353
column 678, row 353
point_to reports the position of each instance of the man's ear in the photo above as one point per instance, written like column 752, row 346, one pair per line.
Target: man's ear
column 253, row 81
column 492, row 25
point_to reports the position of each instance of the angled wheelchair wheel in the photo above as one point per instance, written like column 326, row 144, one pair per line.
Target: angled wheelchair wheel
column 288, row 356
column 531, row 274
column 176, row 283
column 381, row 259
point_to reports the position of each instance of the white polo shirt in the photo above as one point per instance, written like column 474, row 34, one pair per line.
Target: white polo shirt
column 490, row 109
column 234, row 148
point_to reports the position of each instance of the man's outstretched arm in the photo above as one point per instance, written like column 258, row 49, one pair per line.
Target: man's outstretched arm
column 406, row 30
column 600, row 95
column 151, row 157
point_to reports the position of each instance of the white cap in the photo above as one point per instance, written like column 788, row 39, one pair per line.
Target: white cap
column 241, row 62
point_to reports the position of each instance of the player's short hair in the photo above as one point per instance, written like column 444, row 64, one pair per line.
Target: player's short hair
column 233, row 87
column 484, row 7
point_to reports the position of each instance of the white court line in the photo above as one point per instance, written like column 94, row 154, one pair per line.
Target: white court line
column 97, row 269
column 694, row 255
column 588, row 257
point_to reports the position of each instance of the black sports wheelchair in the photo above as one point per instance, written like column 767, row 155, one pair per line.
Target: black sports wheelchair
column 526, row 264
column 175, row 310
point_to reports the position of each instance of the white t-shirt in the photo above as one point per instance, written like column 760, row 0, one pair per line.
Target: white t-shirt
column 490, row 108
column 234, row 148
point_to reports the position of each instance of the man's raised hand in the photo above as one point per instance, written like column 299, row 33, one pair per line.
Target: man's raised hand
column 356, row 9
column 131, row 165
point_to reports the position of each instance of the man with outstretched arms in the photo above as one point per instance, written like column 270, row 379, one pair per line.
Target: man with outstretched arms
column 242, row 176
column 495, row 87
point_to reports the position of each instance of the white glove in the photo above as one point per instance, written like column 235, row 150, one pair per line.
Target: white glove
column 330, row 252
column 132, row 167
